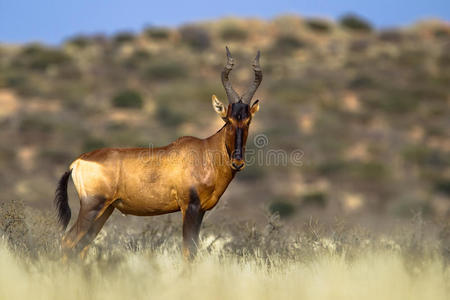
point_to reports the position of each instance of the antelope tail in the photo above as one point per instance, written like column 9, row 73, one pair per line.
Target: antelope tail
column 62, row 201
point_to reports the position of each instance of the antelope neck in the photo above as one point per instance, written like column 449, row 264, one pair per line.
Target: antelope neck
column 218, row 142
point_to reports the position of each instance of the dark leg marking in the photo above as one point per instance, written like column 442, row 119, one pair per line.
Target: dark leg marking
column 192, row 221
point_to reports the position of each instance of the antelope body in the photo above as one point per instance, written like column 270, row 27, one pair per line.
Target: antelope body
column 189, row 175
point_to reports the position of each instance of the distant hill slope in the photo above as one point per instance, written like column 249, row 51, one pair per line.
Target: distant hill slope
column 370, row 110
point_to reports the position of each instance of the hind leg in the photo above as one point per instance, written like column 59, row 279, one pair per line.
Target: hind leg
column 91, row 209
column 84, row 243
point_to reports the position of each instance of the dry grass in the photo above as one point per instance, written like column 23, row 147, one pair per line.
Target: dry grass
column 164, row 275
column 234, row 261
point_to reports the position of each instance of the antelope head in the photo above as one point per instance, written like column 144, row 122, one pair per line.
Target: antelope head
column 239, row 113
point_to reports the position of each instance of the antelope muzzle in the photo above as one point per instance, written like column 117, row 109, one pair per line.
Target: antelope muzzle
column 237, row 158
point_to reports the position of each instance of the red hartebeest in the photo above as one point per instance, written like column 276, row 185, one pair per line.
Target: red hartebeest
column 190, row 174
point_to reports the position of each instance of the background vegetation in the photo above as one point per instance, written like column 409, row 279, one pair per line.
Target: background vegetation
column 365, row 215
column 369, row 109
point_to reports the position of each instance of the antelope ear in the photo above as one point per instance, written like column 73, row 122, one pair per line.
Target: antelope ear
column 220, row 109
column 255, row 107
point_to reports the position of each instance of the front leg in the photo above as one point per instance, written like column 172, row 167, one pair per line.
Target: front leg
column 192, row 220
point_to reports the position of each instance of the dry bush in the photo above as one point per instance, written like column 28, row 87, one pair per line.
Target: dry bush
column 195, row 37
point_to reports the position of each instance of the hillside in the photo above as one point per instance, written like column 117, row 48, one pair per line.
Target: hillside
column 369, row 110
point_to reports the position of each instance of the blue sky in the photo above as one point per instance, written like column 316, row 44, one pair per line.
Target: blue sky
column 52, row 21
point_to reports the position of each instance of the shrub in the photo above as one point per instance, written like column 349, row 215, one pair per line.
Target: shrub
column 443, row 186
column 92, row 143
column 354, row 22
column 283, row 208
column 6, row 155
column 157, row 33
column 55, row 156
column 408, row 208
column 393, row 101
column 189, row 92
column 368, row 170
column 354, row 169
column 314, row 199
column 39, row 58
column 116, row 126
column 441, row 32
column 331, row 167
column 359, row 45
column 138, row 58
column 14, row 80
column 195, row 37
column 413, row 58
column 23, row 84
column 79, row 41
column 392, row 36
column 166, row 70
column 128, row 99
column 318, row 25
column 426, row 157
column 233, row 32
column 35, row 123
column 252, row 173
column 285, row 44
column 71, row 92
column 12, row 224
column 169, row 117
column 126, row 137
column 123, row 37
column 362, row 81
column 444, row 58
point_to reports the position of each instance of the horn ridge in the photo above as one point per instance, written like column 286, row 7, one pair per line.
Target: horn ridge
column 256, row 82
column 231, row 93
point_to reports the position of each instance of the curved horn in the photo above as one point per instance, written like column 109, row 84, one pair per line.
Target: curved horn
column 231, row 93
column 255, row 84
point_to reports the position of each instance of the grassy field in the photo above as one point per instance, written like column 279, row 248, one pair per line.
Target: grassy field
column 164, row 275
column 235, row 261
